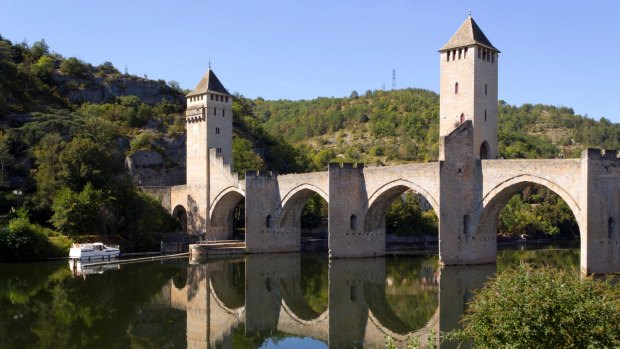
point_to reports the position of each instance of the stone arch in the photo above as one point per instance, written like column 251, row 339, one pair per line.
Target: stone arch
column 180, row 214
column 383, row 197
column 496, row 199
column 484, row 150
column 293, row 204
column 303, row 188
column 221, row 214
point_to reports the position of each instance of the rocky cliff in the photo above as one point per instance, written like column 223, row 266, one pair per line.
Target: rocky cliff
column 97, row 89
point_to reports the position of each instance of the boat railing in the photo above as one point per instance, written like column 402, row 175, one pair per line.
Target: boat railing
column 113, row 246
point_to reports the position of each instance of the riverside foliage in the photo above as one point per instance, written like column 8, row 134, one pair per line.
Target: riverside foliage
column 528, row 307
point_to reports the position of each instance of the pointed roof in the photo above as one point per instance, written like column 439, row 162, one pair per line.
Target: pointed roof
column 468, row 34
column 209, row 83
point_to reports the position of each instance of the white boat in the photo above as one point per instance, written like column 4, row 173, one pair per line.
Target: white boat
column 95, row 250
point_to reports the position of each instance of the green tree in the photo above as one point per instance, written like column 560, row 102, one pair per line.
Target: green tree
column 22, row 240
column 44, row 68
column 244, row 157
column 73, row 66
column 47, row 175
column 77, row 213
column 6, row 159
column 83, row 161
column 39, row 49
column 529, row 307
column 107, row 68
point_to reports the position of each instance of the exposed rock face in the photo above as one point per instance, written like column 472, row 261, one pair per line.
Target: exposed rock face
column 148, row 168
column 96, row 89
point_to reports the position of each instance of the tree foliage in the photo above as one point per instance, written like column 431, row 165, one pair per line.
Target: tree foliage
column 537, row 212
column 529, row 307
column 81, row 212
column 22, row 240
column 405, row 217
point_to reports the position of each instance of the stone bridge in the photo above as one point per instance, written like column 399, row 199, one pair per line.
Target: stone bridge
column 467, row 194
column 357, row 312
column 466, row 190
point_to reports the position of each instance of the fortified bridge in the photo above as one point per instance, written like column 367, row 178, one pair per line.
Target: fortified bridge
column 467, row 188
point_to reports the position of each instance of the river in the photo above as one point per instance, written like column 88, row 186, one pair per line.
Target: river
column 256, row 301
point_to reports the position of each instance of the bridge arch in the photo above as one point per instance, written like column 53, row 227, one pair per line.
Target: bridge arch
column 495, row 200
column 381, row 199
column 221, row 213
column 293, row 204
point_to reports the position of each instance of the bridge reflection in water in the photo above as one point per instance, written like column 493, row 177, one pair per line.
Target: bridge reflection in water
column 268, row 294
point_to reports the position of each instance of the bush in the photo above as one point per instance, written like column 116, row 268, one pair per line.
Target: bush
column 528, row 307
column 73, row 66
column 23, row 241
column 142, row 141
column 59, row 246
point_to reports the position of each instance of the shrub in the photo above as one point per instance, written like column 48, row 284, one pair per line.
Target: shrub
column 531, row 307
column 73, row 66
column 22, row 241
column 141, row 142
column 44, row 67
column 59, row 246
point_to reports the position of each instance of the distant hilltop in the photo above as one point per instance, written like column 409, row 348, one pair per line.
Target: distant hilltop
column 34, row 78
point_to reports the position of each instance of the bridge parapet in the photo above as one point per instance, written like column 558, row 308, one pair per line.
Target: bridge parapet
column 600, row 154
column 345, row 165
column 268, row 174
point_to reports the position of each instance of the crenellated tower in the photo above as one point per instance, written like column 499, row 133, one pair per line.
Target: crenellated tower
column 468, row 87
column 209, row 126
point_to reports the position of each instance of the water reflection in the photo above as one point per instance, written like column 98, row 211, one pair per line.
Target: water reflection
column 341, row 303
column 248, row 302
column 79, row 269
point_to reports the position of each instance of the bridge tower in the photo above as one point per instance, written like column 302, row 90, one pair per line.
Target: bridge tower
column 467, row 133
column 468, row 87
column 209, row 126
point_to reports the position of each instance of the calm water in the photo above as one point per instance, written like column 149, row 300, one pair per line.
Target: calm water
column 258, row 301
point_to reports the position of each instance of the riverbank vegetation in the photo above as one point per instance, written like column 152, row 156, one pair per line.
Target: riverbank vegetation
column 529, row 307
column 67, row 127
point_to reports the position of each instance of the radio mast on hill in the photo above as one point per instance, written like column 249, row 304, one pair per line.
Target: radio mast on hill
column 393, row 79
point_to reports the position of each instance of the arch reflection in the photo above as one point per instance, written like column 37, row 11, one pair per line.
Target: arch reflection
column 343, row 303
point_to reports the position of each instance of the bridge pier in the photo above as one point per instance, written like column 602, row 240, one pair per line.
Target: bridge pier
column 600, row 241
column 348, row 205
column 262, row 213
column 460, row 192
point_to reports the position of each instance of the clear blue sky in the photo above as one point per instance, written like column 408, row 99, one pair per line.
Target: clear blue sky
column 553, row 52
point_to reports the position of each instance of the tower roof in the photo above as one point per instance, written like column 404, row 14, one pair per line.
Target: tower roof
column 469, row 33
column 209, row 83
